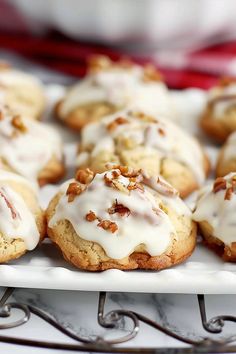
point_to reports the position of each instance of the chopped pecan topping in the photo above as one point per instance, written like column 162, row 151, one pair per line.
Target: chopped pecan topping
column 74, row 189
column 91, row 216
column 115, row 123
column 161, row 131
column 229, row 193
column 14, row 212
column 145, row 117
column 133, row 186
column 220, row 184
column 18, row 124
column 119, row 208
column 108, row 225
column 129, row 172
column 150, row 73
column 84, row 176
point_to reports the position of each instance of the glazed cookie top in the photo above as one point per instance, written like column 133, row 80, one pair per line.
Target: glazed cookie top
column 121, row 84
column 130, row 130
column 119, row 212
column 26, row 145
column 222, row 97
column 16, row 219
column 217, row 206
column 10, row 76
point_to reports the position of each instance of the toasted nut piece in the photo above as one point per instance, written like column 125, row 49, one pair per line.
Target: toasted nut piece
column 108, row 225
column 116, row 122
column 145, row 117
column 119, row 208
column 161, row 131
column 18, row 124
column 150, row 73
column 229, row 193
column 220, row 184
column 84, row 176
column 74, row 189
column 91, row 216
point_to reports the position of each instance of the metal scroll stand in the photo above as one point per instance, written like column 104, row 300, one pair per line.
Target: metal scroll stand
column 111, row 320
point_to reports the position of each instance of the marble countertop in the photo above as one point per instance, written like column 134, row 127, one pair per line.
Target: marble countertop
column 78, row 311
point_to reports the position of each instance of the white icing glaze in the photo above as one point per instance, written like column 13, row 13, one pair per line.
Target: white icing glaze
column 175, row 143
column 146, row 224
column 221, row 106
column 230, row 147
column 122, row 88
column 10, row 176
column 16, row 220
column 10, row 77
column 28, row 152
column 219, row 212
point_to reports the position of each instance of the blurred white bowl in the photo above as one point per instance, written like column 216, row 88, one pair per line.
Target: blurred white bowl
column 159, row 23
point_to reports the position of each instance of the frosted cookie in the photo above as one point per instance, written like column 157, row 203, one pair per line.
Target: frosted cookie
column 138, row 140
column 227, row 157
column 30, row 148
column 216, row 214
column 22, row 222
column 112, row 86
column 22, row 92
column 120, row 219
column 219, row 118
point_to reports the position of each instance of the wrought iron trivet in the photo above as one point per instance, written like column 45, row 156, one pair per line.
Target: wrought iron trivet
column 111, row 320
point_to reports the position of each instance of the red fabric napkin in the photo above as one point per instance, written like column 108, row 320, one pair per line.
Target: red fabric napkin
column 196, row 69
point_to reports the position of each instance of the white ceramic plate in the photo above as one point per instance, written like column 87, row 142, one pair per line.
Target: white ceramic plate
column 203, row 272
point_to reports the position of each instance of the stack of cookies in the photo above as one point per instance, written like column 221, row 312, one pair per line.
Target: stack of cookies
column 123, row 207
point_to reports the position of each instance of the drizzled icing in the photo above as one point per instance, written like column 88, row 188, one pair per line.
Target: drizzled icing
column 157, row 135
column 137, row 219
column 16, row 219
column 217, row 206
column 221, row 98
column 230, row 147
column 122, row 88
column 28, row 147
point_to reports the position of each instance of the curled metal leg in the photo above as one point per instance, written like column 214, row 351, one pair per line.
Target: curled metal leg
column 6, row 310
column 216, row 323
column 112, row 319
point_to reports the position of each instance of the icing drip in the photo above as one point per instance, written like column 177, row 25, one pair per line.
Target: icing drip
column 16, row 220
column 160, row 136
column 117, row 216
column 122, row 88
column 218, row 207
column 28, row 147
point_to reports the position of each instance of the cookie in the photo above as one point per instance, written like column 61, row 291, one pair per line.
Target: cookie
column 112, row 86
column 30, row 148
column 216, row 214
column 120, row 219
column 22, row 92
column 139, row 140
column 22, row 222
column 226, row 162
column 219, row 118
